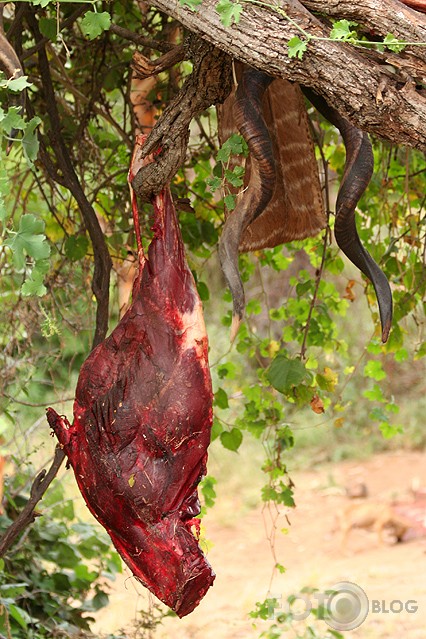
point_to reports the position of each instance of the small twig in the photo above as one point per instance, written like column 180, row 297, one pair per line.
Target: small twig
column 141, row 40
column 27, row 515
column 320, row 271
column 33, row 405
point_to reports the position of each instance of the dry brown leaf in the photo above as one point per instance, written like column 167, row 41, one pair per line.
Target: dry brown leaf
column 349, row 293
column 317, row 405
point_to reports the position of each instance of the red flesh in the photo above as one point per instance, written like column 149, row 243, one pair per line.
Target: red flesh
column 142, row 420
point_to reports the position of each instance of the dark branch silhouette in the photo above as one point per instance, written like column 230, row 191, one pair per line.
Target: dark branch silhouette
column 28, row 514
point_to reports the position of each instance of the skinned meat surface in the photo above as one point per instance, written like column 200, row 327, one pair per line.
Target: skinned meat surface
column 142, row 421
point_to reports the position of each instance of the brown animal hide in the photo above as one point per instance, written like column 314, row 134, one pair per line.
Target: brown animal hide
column 296, row 210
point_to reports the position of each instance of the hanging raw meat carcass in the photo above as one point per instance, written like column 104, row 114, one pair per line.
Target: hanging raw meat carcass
column 142, row 420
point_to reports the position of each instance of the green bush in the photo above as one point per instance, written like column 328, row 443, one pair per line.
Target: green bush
column 57, row 573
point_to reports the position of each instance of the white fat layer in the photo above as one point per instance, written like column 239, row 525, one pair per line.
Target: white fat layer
column 195, row 335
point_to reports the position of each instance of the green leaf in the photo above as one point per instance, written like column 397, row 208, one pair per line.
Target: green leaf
column 33, row 285
column 12, row 120
column 208, row 491
column 374, row 369
column 76, row 247
column 41, row 3
column 233, row 179
column 229, row 12
column 388, row 431
column 29, row 239
column 378, row 414
column 19, row 615
column 13, row 590
column 49, row 28
column 401, row 355
column 93, row 23
column 191, row 4
column 253, row 307
column 231, row 439
column 392, row 43
column 226, row 370
column 280, row 494
column 229, row 202
column 214, row 183
column 203, row 291
column 284, row 373
column 18, row 84
column 221, row 398
column 234, row 145
column 217, row 428
column 421, row 351
column 30, row 142
column 342, row 31
column 296, row 48
column 375, row 394
column 100, row 600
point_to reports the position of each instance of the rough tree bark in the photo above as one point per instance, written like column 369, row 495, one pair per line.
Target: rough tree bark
column 381, row 92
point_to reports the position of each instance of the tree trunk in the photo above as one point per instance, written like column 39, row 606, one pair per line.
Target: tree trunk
column 380, row 92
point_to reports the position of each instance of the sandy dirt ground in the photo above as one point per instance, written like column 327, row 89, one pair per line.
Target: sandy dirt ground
column 242, row 557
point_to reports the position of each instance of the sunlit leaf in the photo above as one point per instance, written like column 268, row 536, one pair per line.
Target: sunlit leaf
column 296, row 47
column 374, row 369
column 231, row 439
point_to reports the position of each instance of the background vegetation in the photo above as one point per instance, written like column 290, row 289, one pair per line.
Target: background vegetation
column 307, row 371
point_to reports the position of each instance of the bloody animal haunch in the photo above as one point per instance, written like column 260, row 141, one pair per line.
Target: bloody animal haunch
column 142, row 421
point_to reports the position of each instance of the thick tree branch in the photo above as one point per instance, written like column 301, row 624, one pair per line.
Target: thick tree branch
column 361, row 84
column 380, row 16
column 27, row 515
column 209, row 83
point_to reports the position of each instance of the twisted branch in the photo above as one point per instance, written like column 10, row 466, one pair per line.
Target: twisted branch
column 28, row 515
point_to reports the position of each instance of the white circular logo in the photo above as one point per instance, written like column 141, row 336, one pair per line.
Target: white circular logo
column 347, row 606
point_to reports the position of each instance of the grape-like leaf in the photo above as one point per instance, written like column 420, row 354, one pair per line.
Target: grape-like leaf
column 12, row 120
column 28, row 240
column 33, row 285
column 374, row 370
column 229, row 202
column 296, row 48
column 233, row 179
column 18, row 84
column 342, row 31
column 93, row 23
column 393, row 43
column 284, row 373
column 229, row 12
column 234, row 145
